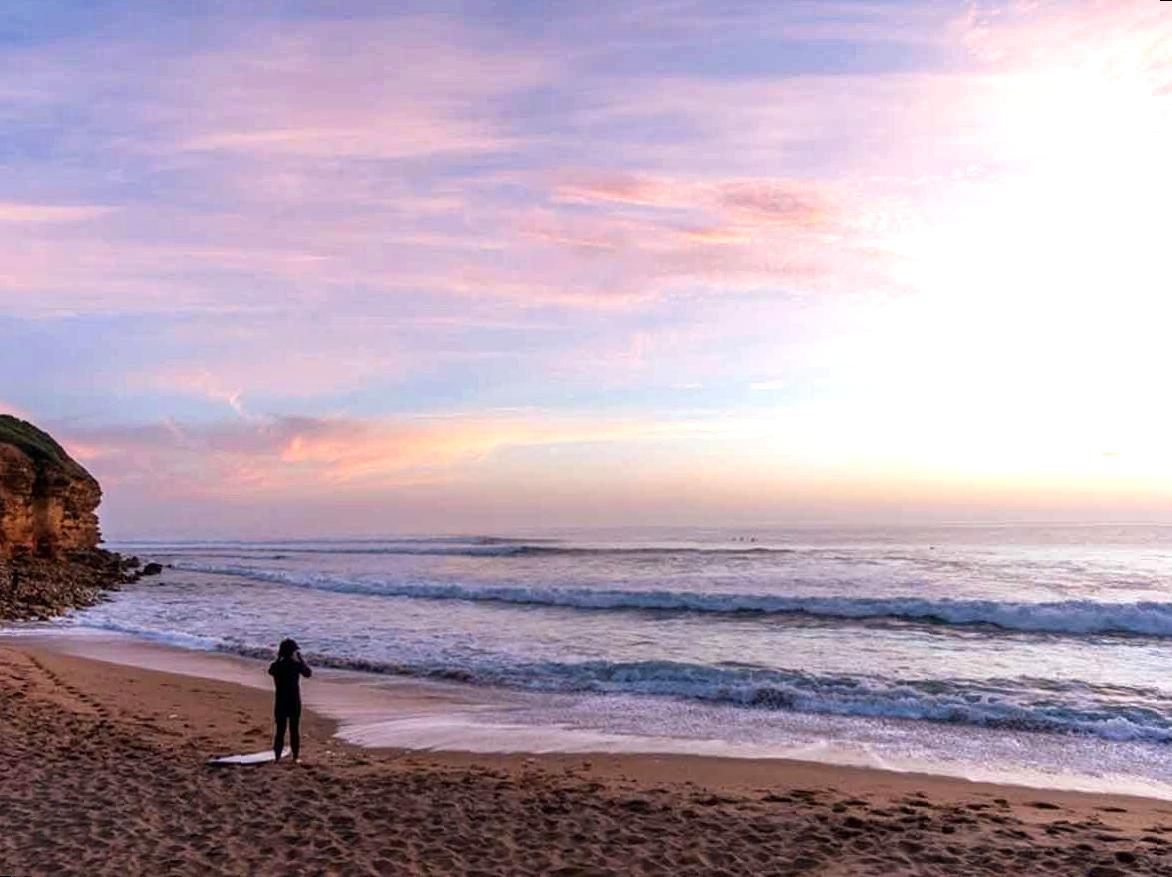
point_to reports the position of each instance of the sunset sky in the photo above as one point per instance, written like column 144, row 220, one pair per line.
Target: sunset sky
column 293, row 267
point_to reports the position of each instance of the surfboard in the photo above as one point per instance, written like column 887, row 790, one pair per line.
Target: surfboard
column 251, row 758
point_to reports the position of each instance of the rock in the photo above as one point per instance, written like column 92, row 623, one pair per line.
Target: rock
column 152, row 569
column 49, row 556
column 48, row 501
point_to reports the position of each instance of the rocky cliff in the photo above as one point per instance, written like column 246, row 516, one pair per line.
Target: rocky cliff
column 49, row 555
column 48, row 502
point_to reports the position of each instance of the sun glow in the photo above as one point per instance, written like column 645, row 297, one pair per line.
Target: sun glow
column 1037, row 300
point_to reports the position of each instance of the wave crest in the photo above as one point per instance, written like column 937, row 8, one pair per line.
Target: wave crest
column 1116, row 713
column 1069, row 617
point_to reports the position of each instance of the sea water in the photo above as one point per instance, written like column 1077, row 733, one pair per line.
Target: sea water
column 1046, row 650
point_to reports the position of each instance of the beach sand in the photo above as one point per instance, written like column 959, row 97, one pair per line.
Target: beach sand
column 103, row 771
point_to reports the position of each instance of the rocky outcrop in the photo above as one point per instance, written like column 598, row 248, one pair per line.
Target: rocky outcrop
column 48, row 501
column 49, row 555
column 39, row 589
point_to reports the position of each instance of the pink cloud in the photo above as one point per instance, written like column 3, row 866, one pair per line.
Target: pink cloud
column 292, row 455
column 114, row 268
column 763, row 199
column 643, row 191
column 659, row 233
column 375, row 88
column 780, row 202
column 11, row 211
column 301, row 370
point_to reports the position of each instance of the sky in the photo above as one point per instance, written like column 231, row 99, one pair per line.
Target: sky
column 326, row 268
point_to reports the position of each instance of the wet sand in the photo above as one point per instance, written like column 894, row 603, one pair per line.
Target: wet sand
column 103, row 771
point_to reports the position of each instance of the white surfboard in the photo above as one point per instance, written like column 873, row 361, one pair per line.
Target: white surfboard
column 252, row 758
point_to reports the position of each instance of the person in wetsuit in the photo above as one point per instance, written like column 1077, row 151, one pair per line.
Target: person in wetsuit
column 287, row 671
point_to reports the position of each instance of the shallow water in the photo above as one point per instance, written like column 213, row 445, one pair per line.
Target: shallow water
column 1046, row 645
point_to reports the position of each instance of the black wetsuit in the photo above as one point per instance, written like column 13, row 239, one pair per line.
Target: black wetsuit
column 287, row 674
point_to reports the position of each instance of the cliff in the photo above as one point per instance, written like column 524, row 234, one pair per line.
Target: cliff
column 48, row 501
column 49, row 555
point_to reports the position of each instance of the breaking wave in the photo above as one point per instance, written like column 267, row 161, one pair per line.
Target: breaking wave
column 1070, row 617
column 1117, row 713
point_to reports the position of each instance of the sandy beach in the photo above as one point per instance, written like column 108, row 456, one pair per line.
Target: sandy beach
column 103, row 771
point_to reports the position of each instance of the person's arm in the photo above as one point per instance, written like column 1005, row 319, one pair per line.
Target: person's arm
column 302, row 667
column 273, row 669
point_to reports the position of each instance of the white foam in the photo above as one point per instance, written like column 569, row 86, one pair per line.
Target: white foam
column 1076, row 617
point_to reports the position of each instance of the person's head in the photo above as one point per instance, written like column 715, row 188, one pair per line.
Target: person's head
column 287, row 648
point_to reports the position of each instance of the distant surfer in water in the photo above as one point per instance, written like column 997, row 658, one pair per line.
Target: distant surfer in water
column 287, row 671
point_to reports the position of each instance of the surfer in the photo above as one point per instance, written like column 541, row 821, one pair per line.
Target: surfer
column 287, row 671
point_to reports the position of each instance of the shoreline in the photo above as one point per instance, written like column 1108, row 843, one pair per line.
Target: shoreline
column 95, row 744
column 382, row 712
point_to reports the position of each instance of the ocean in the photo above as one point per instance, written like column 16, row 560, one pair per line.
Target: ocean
column 1037, row 652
